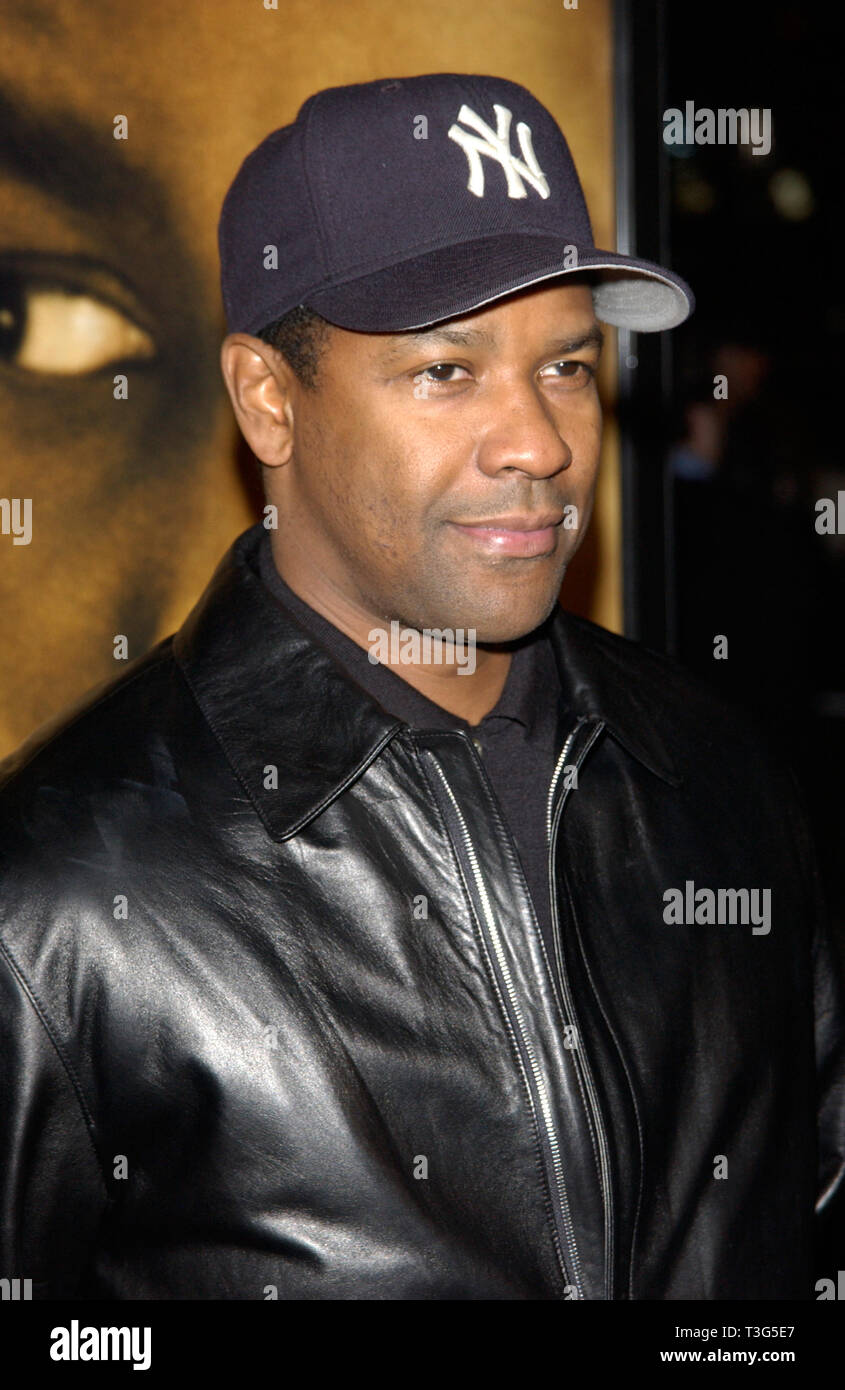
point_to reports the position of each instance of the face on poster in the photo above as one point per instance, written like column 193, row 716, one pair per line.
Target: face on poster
column 122, row 127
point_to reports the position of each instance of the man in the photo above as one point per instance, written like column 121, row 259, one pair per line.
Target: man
column 387, row 932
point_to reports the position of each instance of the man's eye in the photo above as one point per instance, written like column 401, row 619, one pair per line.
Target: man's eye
column 433, row 373
column 578, row 373
column 51, row 328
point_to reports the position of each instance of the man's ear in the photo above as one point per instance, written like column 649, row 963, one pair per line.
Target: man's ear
column 261, row 387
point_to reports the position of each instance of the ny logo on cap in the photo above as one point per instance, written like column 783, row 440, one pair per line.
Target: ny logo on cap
column 497, row 144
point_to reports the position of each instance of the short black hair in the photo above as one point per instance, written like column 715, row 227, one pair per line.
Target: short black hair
column 300, row 336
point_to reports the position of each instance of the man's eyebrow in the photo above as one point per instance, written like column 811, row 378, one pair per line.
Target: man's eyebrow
column 78, row 163
column 454, row 337
column 594, row 337
column 478, row 337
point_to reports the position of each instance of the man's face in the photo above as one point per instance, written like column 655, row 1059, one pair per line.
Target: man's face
column 445, row 478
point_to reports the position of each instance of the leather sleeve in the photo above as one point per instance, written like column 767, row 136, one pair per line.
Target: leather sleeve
column 52, row 1194
column 829, row 1014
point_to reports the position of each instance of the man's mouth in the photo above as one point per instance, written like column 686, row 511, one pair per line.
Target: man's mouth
column 519, row 535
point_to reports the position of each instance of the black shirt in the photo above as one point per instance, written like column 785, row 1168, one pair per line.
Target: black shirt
column 517, row 740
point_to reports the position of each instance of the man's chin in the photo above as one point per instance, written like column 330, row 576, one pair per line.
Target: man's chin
column 507, row 634
column 512, row 624
column 489, row 615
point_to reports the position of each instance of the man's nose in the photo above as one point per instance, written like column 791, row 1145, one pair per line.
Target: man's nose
column 524, row 434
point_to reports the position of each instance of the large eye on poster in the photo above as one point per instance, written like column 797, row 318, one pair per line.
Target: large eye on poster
column 123, row 473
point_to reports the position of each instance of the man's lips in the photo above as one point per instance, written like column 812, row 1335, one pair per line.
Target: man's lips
column 522, row 536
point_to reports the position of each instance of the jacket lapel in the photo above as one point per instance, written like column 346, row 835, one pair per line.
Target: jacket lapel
column 273, row 697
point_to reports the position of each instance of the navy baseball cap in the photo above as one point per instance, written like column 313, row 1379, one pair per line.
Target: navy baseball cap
column 395, row 204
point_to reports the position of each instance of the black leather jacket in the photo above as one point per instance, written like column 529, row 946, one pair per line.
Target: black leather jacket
column 277, row 1019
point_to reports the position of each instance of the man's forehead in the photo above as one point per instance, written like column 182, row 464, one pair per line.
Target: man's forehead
column 567, row 332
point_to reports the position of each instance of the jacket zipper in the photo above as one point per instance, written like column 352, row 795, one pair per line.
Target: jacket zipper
column 552, row 827
column 537, row 1087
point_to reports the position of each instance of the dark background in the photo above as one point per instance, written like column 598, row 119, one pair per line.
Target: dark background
column 718, row 495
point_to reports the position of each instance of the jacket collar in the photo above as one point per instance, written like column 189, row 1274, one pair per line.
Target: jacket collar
column 628, row 688
column 275, row 699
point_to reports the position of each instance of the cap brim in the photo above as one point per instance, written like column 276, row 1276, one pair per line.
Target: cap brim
column 455, row 280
